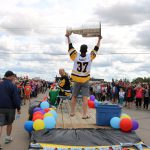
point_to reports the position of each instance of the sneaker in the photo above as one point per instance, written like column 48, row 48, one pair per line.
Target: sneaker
column 8, row 140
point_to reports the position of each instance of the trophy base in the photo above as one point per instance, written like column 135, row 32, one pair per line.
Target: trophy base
column 90, row 35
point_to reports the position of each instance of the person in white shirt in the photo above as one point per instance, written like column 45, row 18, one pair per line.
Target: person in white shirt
column 121, row 96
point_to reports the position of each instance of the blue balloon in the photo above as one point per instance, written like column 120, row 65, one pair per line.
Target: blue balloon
column 115, row 122
column 44, row 105
column 28, row 126
column 49, row 122
column 96, row 102
column 54, row 113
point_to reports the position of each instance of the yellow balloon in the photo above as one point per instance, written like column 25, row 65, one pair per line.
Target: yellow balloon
column 38, row 124
column 52, row 108
column 48, row 114
column 125, row 116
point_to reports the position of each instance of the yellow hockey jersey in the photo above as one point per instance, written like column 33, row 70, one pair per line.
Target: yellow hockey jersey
column 82, row 65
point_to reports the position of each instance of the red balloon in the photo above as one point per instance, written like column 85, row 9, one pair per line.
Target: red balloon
column 38, row 116
column 91, row 104
column 46, row 110
column 37, row 112
column 126, row 124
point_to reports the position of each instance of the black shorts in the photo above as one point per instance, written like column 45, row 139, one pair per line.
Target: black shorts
column 129, row 99
column 7, row 116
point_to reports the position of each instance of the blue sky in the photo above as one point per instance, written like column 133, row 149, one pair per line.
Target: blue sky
column 32, row 32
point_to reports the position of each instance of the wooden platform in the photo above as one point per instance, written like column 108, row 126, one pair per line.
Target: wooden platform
column 64, row 119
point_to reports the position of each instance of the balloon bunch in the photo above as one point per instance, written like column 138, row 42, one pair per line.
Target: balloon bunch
column 43, row 117
column 125, row 123
column 91, row 101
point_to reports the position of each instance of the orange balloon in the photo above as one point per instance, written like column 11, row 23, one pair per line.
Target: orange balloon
column 46, row 110
column 38, row 116
column 91, row 104
column 126, row 124
column 37, row 112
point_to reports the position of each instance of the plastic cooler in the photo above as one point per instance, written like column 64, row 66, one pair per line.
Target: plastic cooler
column 104, row 113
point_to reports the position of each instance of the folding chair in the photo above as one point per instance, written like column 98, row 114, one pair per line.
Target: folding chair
column 79, row 99
column 64, row 99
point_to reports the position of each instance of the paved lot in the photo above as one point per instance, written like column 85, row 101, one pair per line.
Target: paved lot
column 21, row 137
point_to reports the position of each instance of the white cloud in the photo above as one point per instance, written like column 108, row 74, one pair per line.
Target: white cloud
column 125, row 12
column 32, row 32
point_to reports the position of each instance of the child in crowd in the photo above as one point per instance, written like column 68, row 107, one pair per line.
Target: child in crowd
column 121, row 96
column 27, row 92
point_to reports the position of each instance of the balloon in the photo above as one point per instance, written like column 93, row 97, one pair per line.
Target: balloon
column 49, row 122
column 96, row 103
column 92, row 97
column 115, row 122
column 91, row 104
column 28, row 126
column 37, row 113
column 52, row 108
column 54, row 113
column 126, row 124
column 46, row 110
column 36, row 109
column 44, row 105
column 48, row 114
column 42, row 111
column 38, row 124
column 135, row 125
column 125, row 116
column 38, row 116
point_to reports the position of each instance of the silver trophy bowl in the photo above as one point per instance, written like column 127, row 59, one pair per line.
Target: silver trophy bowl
column 85, row 31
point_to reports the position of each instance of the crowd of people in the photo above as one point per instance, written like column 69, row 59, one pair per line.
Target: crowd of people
column 28, row 88
column 124, row 93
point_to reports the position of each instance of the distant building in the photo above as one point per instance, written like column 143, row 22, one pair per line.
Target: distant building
column 96, row 80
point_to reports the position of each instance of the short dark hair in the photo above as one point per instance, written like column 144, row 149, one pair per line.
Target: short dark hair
column 9, row 73
column 83, row 48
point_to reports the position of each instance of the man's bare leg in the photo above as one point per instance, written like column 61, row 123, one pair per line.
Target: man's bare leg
column 8, row 138
column 73, row 105
column 9, row 129
column 85, row 107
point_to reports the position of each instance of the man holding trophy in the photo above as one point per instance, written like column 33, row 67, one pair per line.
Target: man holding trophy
column 82, row 65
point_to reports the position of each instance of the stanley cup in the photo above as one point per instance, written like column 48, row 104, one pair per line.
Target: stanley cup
column 86, row 31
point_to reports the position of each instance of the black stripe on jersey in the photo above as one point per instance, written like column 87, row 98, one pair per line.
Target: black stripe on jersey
column 72, row 52
column 80, row 76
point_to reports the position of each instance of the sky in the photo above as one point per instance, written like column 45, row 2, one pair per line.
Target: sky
column 33, row 42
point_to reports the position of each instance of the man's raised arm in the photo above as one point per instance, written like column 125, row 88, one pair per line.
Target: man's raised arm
column 72, row 51
column 69, row 41
column 98, row 43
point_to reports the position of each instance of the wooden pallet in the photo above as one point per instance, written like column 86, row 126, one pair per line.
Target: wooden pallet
column 64, row 119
